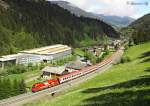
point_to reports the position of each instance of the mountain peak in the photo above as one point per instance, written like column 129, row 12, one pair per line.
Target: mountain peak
column 60, row 3
column 113, row 20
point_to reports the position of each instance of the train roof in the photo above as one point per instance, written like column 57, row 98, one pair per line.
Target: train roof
column 76, row 71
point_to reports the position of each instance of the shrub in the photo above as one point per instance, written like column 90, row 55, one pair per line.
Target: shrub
column 13, row 87
column 125, row 59
column 16, row 69
column 126, row 47
column 107, row 52
column 99, row 59
column 91, row 57
column 63, row 61
column 3, row 72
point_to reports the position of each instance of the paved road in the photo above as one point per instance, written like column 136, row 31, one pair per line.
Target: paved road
column 29, row 97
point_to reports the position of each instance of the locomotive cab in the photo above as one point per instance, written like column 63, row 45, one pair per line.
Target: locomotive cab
column 37, row 87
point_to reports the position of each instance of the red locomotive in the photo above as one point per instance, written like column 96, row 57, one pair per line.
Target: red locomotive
column 43, row 85
column 53, row 82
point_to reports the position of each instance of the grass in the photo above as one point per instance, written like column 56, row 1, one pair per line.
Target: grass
column 88, row 42
column 79, row 51
column 25, row 75
column 125, row 84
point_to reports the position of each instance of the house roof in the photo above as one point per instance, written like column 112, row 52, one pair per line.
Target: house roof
column 56, row 70
column 8, row 57
column 76, row 65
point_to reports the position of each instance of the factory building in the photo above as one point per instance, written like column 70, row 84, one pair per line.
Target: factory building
column 44, row 54
column 8, row 60
column 38, row 55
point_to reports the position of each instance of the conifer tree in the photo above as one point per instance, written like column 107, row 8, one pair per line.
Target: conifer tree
column 22, row 87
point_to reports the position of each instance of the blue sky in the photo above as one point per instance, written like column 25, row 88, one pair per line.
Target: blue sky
column 113, row 7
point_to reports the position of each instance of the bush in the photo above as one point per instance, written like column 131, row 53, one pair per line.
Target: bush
column 63, row 61
column 41, row 66
column 99, row 59
column 3, row 72
column 91, row 57
column 9, row 88
column 125, row 59
column 32, row 67
column 16, row 69
column 106, row 52
column 126, row 47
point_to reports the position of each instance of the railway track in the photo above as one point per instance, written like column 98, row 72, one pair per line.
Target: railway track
column 28, row 97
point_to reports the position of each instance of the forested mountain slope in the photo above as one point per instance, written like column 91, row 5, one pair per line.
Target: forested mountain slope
column 139, row 29
column 27, row 24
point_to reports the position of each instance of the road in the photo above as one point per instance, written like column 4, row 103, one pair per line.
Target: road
column 57, row 90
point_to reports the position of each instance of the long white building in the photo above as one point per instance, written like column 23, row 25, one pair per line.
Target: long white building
column 8, row 60
column 37, row 55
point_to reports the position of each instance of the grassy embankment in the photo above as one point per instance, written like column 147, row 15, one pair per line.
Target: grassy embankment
column 125, row 84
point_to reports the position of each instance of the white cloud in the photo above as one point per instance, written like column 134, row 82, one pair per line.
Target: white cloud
column 115, row 7
column 108, row 7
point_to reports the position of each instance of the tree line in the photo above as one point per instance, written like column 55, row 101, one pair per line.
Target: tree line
column 139, row 30
column 9, row 88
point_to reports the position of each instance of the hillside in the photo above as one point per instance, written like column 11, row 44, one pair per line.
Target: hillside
column 73, row 9
column 126, row 84
column 116, row 21
column 28, row 24
column 139, row 29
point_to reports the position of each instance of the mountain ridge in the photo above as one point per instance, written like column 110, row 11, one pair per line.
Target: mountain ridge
column 115, row 21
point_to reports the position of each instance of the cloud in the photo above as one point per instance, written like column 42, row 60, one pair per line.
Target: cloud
column 107, row 7
column 115, row 7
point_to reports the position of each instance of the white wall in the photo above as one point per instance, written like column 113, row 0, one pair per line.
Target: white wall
column 24, row 58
